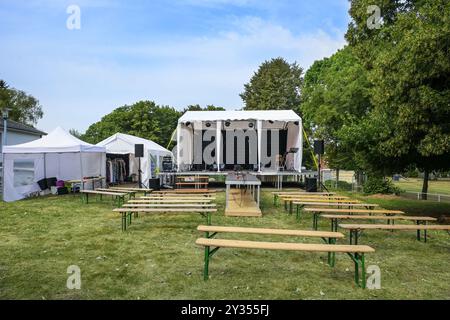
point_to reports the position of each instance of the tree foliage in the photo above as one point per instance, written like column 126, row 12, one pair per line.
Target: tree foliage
column 276, row 85
column 144, row 119
column 408, row 63
column 335, row 94
column 23, row 107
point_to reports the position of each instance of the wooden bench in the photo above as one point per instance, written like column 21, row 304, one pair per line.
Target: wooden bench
column 311, row 195
column 119, row 196
column 336, row 217
column 301, row 204
column 128, row 212
column 288, row 201
column 185, row 191
column 161, row 198
column 277, row 194
column 165, row 200
column 213, row 245
column 176, row 194
column 169, row 205
column 131, row 194
column 144, row 190
column 318, row 211
column 356, row 229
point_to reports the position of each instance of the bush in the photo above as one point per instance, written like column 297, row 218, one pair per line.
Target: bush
column 342, row 185
column 375, row 185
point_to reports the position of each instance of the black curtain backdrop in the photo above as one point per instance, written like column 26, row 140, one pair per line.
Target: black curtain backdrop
column 247, row 165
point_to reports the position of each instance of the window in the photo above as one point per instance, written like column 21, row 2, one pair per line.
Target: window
column 23, row 172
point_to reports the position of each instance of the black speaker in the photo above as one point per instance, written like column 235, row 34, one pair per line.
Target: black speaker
column 138, row 150
column 311, row 184
column 319, row 147
column 167, row 164
column 154, row 184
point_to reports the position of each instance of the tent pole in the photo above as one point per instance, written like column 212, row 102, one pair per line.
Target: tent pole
column 178, row 147
column 81, row 172
column 259, row 128
column 218, row 143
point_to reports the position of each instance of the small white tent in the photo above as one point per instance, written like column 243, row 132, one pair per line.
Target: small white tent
column 59, row 154
column 124, row 144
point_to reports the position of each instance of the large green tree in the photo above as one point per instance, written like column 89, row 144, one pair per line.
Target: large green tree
column 276, row 85
column 335, row 94
column 23, row 107
column 408, row 63
column 143, row 119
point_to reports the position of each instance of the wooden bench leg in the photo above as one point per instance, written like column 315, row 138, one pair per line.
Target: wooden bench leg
column 290, row 207
column 124, row 221
column 208, row 254
column 285, row 205
column 359, row 262
column 315, row 220
column 331, row 255
column 354, row 234
column 298, row 212
column 206, row 266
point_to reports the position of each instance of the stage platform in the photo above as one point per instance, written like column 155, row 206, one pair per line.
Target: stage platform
column 275, row 177
column 242, row 195
column 242, row 204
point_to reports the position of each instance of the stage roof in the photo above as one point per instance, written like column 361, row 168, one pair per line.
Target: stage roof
column 266, row 115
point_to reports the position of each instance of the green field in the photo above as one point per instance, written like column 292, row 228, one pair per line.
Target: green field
column 157, row 258
column 415, row 185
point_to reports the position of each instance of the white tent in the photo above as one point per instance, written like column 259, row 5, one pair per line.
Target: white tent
column 123, row 144
column 59, row 154
column 194, row 122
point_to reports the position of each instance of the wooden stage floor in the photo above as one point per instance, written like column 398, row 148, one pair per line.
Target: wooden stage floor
column 241, row 204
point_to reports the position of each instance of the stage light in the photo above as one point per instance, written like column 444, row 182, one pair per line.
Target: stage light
column 296, row 123
column 227, row 124
column 187, row 124
column 251, row 125
column 271, row 121
column 208, row 125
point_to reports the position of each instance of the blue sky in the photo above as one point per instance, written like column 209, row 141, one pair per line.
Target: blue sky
column 176, row 52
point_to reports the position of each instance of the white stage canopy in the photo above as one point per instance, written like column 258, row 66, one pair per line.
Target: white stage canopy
column 193, row 123
column 59, row 154
column 121, row 143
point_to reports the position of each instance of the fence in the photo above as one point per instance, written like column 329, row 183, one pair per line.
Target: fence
column 430, row 196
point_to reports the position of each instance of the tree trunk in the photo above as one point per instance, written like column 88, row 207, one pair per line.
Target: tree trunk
column 337, row 178
column 426, row 176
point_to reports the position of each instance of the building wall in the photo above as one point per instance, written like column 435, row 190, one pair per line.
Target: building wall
column 16, row 138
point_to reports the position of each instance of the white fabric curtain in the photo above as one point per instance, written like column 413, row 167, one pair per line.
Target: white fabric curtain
column 259, row 128
column 16, row 186
column 294, row 140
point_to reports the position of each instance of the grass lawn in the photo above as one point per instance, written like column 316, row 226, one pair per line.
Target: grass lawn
column 415, row 185
column 157, row 258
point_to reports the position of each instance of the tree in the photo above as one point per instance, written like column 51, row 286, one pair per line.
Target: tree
column 276, row 85
column 197, row 107
column 75, row 133
column 409, row 65
column 335, row 94
column 23, row 107
column 144, row 119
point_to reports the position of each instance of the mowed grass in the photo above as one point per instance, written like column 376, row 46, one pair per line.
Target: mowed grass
column 157, row 257
column 415, row 185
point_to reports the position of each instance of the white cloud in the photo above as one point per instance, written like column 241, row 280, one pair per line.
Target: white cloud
column 79, row 85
